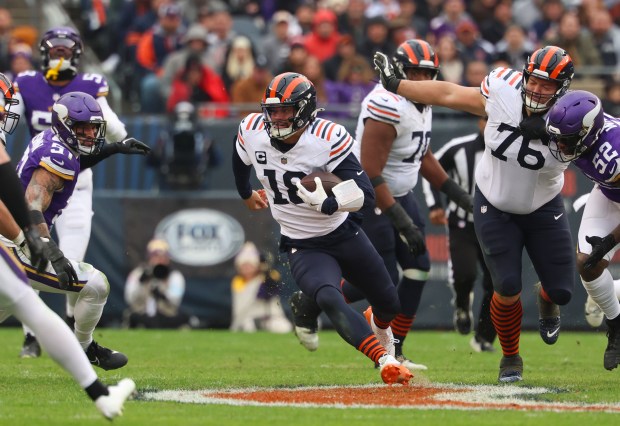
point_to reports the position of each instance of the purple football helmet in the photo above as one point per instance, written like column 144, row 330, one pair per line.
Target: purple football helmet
column 61, row 48
column 573, row 124
column 70, row 114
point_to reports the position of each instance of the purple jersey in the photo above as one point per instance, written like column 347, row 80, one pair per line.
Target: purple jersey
column 601, row 163
column 39, row 96
column 46, row 151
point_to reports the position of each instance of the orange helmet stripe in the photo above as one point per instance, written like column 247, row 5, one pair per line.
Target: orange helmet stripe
column 412, row 57
column 289, row 90
column 558, row 69
column 275, row 82
column 545, row 62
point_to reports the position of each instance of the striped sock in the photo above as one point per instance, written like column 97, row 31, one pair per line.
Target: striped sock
column 371, row 347
column 401, row 325
column 379, row 323
column 507, row 322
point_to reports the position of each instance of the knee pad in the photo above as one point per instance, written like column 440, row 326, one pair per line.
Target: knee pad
column 559, row 296
column 97, row 287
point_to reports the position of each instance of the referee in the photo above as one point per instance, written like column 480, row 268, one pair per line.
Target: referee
column 459, row 157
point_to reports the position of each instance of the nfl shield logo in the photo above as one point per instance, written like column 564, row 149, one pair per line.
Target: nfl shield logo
column 483, row 209
column 283, row 160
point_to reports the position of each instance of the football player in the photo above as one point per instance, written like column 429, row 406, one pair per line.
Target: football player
column 319, row 233
column 517, row 203
column 17, row 297
column 583, row 134
column 394, row 136
column 48, row 171
column 61, row 49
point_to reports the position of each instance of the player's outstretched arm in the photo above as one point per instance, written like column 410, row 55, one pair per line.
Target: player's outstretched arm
column 430, row 92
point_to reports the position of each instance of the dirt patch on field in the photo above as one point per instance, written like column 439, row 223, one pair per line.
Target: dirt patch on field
column 456, row 397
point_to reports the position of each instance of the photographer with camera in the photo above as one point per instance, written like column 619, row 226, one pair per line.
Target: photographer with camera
column 154, row 291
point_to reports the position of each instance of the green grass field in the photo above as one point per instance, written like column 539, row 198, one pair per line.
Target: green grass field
column 38, row 392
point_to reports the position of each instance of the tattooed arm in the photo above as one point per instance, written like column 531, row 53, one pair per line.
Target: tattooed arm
column 39, row 194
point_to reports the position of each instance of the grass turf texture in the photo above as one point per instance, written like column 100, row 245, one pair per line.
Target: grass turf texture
column 37, row 391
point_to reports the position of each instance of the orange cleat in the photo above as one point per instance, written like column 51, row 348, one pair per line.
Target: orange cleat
column 393, row 372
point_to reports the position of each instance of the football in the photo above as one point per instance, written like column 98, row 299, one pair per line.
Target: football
column 329, row 180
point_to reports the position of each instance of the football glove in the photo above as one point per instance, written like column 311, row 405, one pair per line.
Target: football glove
column 314, row 199
column 409, row 233
column 132, row 146
column 62, row 266
column 458, row 195
column 386, row 72
column 600, row 247
column 33, row 247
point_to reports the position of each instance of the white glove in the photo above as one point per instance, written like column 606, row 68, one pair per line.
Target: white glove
column 316, row 198
column 22, row 244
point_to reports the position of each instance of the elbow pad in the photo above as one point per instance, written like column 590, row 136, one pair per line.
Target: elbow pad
column 349, row 196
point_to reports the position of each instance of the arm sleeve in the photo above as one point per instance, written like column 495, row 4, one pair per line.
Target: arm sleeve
column 88, row 161
column 242, row 175
column 115, row 129
column 350, row 168
column 12, row 194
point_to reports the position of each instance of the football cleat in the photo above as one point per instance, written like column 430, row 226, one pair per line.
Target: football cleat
column 478, row 344
column 306, row 320
column 463, row 320
column 384, row 335
column 594, row 314
column 612, row 353
column 393, row 372
column 410, row 365
column 111, row 405
column 31, row 347
column 548, row 318
column 510, row 369
column 105, row 358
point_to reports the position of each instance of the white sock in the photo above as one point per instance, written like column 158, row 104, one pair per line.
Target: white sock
column 602, row 291
column 89, row 307
column 55, row 337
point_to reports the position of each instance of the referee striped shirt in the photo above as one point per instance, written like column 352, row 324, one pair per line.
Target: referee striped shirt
column 458, row 157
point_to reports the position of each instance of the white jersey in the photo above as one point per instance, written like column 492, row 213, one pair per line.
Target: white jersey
column 321, row 147
column 516, row 175
column 413, row 135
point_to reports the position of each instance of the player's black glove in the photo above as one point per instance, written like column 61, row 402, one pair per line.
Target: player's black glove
column 386, row 72
column 600, row 247
column 410, row 233
column 458, row 195
column 63, row 268
column 36, row 246
column 132, row 146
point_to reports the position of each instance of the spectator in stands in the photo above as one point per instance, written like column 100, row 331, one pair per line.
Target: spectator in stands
column 239, row 62
column 547, row 26
column 185, row 153
column 296, row 58
column 514, row 48
column 276, row 44
column 389, row 9
column 154, row 46
column 577, row 42
column 256, row 304
column 346, row 50
column 154, row 291
column 409, row 15
column 606, row 36
column 217, row 20
column 354, row 81
column 353, row 20
column 249, row 91
column 313, row 70
column 305, row 17
column 20, row 60
column 475, row 72
column 493, row 28
column 194, row 43
column 611, row 98
column 6, row 25
column 452, row 66
column 197, row 83
column 323, row 40
column 376, row 39
column 453, row 13
column 471, row 45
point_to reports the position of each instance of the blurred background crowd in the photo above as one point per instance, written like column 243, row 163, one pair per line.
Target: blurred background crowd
column 221, row 55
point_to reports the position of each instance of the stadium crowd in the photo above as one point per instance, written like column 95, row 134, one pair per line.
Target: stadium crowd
column 162, row 52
